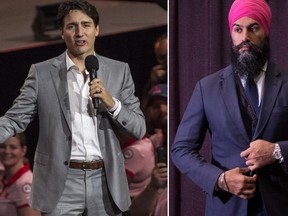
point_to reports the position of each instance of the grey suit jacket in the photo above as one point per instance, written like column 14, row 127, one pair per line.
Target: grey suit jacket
column 45, row 91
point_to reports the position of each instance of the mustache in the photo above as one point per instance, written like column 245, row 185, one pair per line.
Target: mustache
column 246, row 43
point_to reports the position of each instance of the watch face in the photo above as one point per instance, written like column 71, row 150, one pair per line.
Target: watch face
column 277, row 155
column 277, row 152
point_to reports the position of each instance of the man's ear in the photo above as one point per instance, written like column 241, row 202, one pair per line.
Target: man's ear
column 62, row 36
column 97, row 30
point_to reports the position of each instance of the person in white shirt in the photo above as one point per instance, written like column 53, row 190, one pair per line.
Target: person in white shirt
column 78, row 166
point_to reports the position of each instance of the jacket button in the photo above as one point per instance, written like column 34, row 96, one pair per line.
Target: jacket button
column 124, row 123
column 66, row 163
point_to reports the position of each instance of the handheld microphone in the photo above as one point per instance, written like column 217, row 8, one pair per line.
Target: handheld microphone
column 92, row 66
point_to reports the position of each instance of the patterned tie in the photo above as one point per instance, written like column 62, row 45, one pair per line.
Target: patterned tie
column 252, row 94
column 246, row 102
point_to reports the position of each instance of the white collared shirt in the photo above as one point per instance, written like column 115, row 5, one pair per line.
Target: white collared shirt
column 259, row 80
column 85, row 141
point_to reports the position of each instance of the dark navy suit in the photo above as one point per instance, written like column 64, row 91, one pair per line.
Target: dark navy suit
column 214, row 106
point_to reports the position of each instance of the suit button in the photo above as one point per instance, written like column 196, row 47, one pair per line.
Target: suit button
column 66, row 163
column 124, row 123
column 69, row 138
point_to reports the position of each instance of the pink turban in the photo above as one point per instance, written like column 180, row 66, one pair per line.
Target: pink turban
column 258, row 10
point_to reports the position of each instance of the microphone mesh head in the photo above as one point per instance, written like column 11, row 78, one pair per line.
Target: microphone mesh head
column 91, row 62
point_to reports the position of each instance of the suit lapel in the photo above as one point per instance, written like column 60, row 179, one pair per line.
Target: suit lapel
column 229, row 94
column 59, row 77
column 272, row 87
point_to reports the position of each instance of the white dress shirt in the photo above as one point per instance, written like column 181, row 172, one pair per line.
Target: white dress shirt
column 85, row 142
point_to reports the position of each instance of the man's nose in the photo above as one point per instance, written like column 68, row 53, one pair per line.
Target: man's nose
column 79, row 31
column 246, row 35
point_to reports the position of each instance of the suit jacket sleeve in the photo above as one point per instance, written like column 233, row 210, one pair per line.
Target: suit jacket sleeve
column 130, row 117
column 189, row 140
column 24, row 108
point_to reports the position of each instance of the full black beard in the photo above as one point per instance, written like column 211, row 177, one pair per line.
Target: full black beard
column 249, row 63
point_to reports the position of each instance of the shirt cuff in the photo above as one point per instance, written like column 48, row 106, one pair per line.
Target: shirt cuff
column 114, row 111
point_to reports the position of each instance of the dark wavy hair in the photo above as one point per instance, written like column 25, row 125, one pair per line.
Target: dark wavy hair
column 22, row 139
column 84, row 6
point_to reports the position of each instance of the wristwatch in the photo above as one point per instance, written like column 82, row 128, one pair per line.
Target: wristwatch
column 277, row 153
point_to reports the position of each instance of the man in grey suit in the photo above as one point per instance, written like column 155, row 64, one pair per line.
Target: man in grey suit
column 78, row 164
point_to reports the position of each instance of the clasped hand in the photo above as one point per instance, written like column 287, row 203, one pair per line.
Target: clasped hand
column 259, row 154
column 237, row 182
column 97, row 90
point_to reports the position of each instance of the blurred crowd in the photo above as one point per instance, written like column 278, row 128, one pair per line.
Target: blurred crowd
column 146, row 159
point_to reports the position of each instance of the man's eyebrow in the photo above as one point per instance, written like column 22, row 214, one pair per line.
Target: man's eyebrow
column 86, row 21
column 250, row 25
column 82, row 22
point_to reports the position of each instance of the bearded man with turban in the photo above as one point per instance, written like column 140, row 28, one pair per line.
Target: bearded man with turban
column 245, row 109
